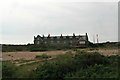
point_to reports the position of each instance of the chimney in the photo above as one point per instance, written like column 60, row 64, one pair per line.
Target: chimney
column 34, row 37
column 48, row 35
column 43, row 36
column 93, row 39
column 86, row 36
column 97, row 38
column 73, row 34
column 61, row 36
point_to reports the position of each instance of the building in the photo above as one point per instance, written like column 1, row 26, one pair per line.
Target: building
column 71, row 41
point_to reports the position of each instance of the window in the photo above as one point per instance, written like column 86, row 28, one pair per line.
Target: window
column 58, row 41
column 51, row 41
column 84, row 37
column 38, row 42
column 51, row 37
column 82, row 42
column 77, row 37
column 45, row 38
column 70, row 37
column 64, row 42
column 71, row 41
column 38, row 38
column 45, row 42
column 64, row 37
column 58, row 37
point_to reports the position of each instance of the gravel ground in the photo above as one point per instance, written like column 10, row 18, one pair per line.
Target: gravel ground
column 27, row 55
column 31, row 55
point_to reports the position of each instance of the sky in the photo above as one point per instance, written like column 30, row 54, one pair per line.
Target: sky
column 21, row 20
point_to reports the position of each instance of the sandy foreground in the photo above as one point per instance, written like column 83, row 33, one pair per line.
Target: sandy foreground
column 27, row 55
column 32, row 55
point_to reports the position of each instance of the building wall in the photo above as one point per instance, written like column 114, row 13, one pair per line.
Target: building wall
column 71, row 41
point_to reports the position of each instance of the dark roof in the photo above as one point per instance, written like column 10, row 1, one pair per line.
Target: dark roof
column 81, row 37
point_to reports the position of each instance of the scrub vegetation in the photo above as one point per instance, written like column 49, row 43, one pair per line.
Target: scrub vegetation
column 80, row 64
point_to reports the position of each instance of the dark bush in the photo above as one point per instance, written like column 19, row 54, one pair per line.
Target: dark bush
column 57, row 68
column 83, row 65
column 84, row 59
column 96, row 71
column 8, row 70
column 42, row 56
column 38, row 49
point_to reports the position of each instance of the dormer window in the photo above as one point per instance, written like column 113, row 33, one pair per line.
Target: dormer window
column 70, row 37
column 58, row 37
column 64, row 37
column 77, row 37
column 58, row 41
column 45, row 38
column 64, row 42
column 38, row 42
column 71, row 41
column 82, row 42
column 52, row 41
column 45, row 42
column 38, row 38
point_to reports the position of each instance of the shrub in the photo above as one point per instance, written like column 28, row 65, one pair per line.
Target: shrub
column 56, row 69
column 83, row 64
column 42, row 56
column 8, row 69
column 96, row 71
column 84, row 59
column 38, row 49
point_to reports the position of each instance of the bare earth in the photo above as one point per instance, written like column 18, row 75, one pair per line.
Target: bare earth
column 27, row 55
column 31, row 55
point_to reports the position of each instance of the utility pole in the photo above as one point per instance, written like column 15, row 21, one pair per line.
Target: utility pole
column 97, row 38
column 93, row 39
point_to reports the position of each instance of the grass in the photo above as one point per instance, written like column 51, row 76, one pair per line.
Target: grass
column 25, row 71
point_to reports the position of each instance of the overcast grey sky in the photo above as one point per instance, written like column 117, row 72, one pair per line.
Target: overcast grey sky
column 21, row 20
